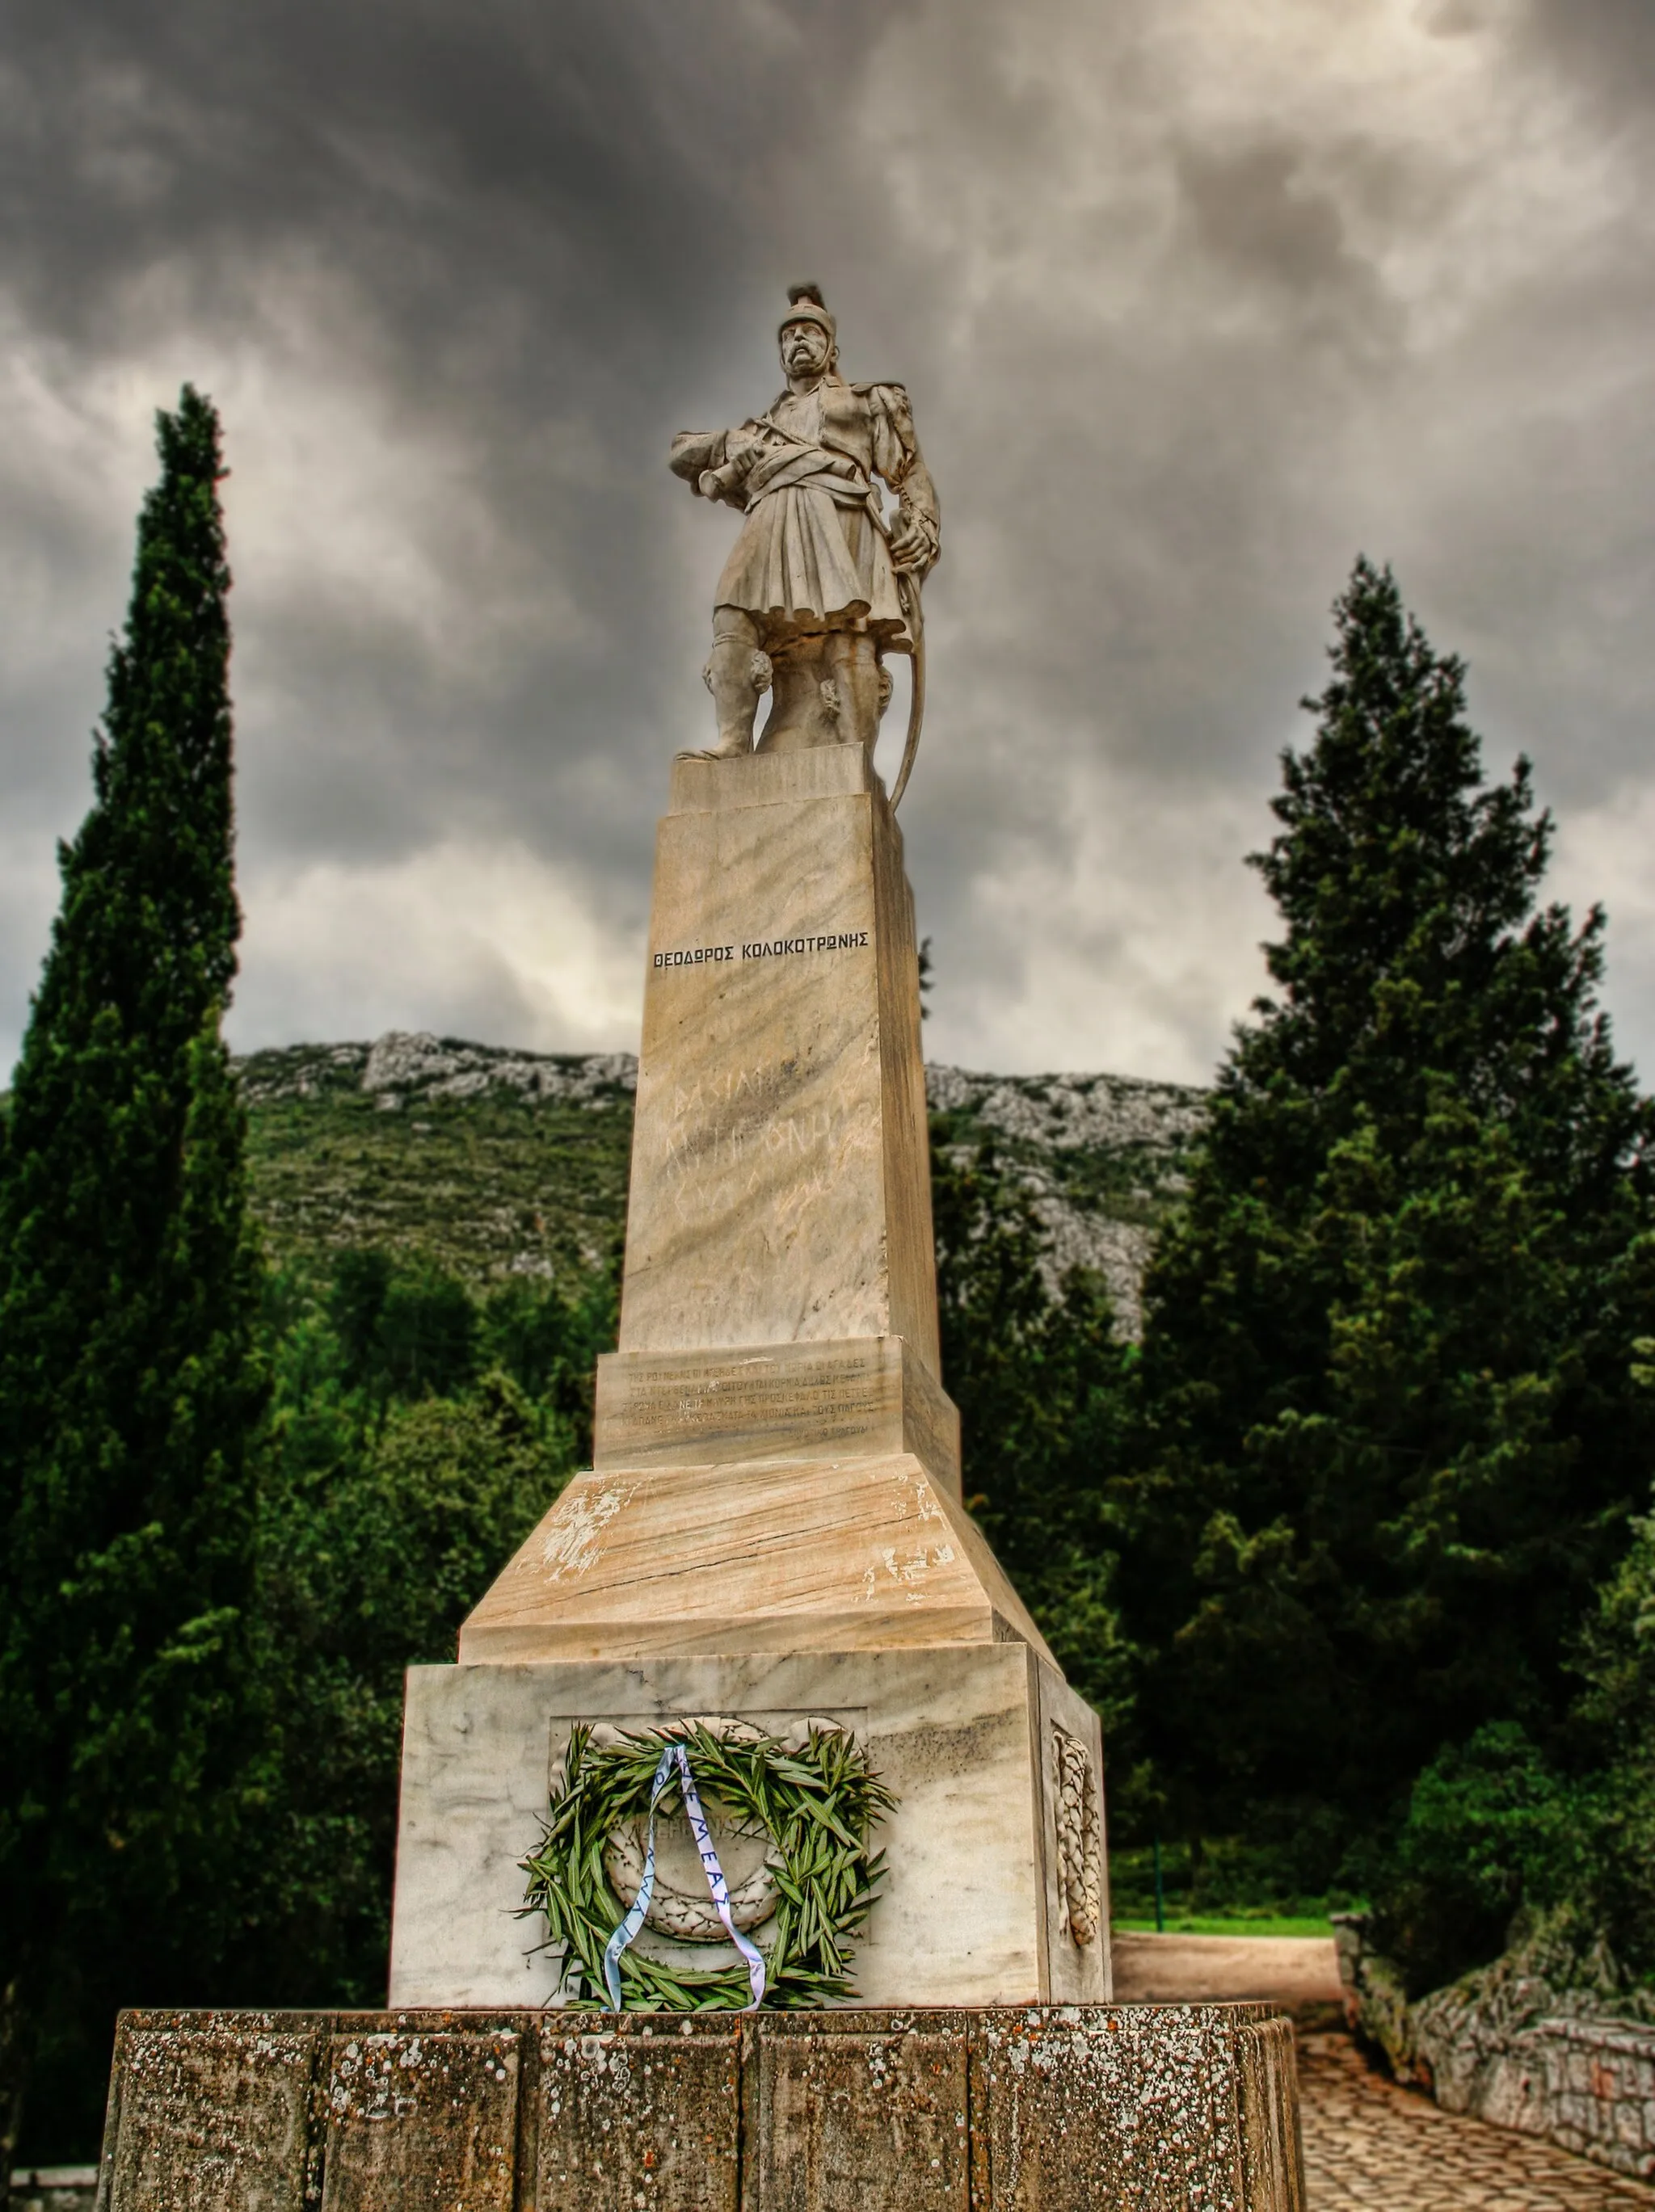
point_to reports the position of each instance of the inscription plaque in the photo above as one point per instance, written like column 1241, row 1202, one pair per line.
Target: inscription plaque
column 814, row 1400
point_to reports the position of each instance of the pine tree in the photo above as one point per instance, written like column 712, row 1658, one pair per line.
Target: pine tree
column 1388, row 1436
column 1037, row 1379
column 129, row 1387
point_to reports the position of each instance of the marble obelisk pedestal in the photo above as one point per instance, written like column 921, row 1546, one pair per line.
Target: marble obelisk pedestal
column 772, row 1529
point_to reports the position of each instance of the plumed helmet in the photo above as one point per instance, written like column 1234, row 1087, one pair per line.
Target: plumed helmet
column 804, row 306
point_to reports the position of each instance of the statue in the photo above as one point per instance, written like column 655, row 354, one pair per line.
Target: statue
column 819, row 587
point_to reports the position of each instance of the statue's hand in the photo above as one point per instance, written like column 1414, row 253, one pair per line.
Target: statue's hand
column 911, row 548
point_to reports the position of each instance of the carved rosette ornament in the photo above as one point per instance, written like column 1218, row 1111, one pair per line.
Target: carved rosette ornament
column 1080, row 1847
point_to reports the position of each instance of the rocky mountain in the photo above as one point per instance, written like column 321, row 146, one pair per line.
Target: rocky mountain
column 495, row 1163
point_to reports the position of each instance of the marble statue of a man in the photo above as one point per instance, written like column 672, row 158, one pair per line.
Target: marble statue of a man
column 819, row 588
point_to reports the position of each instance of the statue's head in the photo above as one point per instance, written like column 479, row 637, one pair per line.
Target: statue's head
column 808, row 333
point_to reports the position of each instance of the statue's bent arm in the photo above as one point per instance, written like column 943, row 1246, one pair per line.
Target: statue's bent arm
column 717, row 464
column 897, row 457
column 695, row 450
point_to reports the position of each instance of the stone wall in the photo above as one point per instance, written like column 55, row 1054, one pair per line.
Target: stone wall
column 1038, row 2110
column 1506, row 2046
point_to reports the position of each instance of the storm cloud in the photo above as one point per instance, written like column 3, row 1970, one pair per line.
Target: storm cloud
column 1195, row 300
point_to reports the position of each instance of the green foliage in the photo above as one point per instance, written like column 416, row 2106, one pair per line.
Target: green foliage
column 409, row 1332
column 130, row 1746
column 1385, row 1443
column 550, row 1343
column 1489, row 1827
column 1570, row 1868
column 1037, row 1380
column 1613, row 1872
column 816, row 1804
column 386, row 1510
column 1551, row 1852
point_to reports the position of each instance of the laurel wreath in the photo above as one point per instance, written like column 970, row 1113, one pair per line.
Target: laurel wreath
column 816, row 1801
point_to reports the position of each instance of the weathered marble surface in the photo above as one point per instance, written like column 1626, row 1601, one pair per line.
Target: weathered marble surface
column 1071, row 2109
column 772, row 1555
column 866, row 1395
column 971, row 1911
column 780, row 1185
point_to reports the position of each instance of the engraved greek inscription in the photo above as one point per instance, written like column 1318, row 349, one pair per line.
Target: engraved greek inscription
column 840, row 1399
column 782, row 948
column 699, row 956
column 787, row 1136
column 691, row 957
column 796, row 1199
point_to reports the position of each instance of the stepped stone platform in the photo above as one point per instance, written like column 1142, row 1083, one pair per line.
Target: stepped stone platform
column 1024, row 2109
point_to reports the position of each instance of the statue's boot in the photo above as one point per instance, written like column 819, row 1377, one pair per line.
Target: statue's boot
column 854, row 669
column 737, row 674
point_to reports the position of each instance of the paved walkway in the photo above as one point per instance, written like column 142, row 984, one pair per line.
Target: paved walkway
column 1371, row 2146
column 1295, row 1971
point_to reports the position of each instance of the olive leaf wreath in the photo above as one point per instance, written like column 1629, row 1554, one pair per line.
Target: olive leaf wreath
column 817, row 1802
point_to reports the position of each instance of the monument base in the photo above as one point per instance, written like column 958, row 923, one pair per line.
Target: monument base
column 978, row 1905
column 1071, row 2109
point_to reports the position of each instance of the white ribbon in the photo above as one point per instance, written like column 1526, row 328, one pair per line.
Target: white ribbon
column 675, row 1754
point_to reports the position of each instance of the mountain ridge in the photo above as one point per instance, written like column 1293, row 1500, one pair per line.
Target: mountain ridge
column 494, row 1163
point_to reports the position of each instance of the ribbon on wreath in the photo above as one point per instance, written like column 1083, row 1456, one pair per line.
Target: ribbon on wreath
column 675, row 1755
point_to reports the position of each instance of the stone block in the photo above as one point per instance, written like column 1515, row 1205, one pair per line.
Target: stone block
column 970, row 1911
column 639, row 2114
column 774, row 1555
column 863, row 1396
column 1271, row 2153
column 422, row 2118
column 857, row 2113
column 211, row 2112
column 781, row 1185
column 1140, row 2108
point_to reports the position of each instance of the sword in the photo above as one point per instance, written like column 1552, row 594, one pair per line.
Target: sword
column 907, row 591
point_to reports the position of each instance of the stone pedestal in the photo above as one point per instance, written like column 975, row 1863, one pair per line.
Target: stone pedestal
column 780, row 1188
column 969, row 1737
column 772, row 1529
column 1080, row 2109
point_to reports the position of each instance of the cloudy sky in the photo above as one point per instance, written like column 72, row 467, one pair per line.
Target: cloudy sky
column 1196, row 299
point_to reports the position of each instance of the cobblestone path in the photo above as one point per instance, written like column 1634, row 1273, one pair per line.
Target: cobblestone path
column 1371, row 2146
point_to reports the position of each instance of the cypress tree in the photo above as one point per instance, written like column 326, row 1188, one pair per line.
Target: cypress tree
column 1389, row 1437
column 129, row 1386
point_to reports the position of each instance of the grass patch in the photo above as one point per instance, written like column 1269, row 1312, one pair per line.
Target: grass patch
column 1251, row 1924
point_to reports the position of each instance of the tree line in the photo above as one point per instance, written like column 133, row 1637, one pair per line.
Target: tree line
column 1353, row 1551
